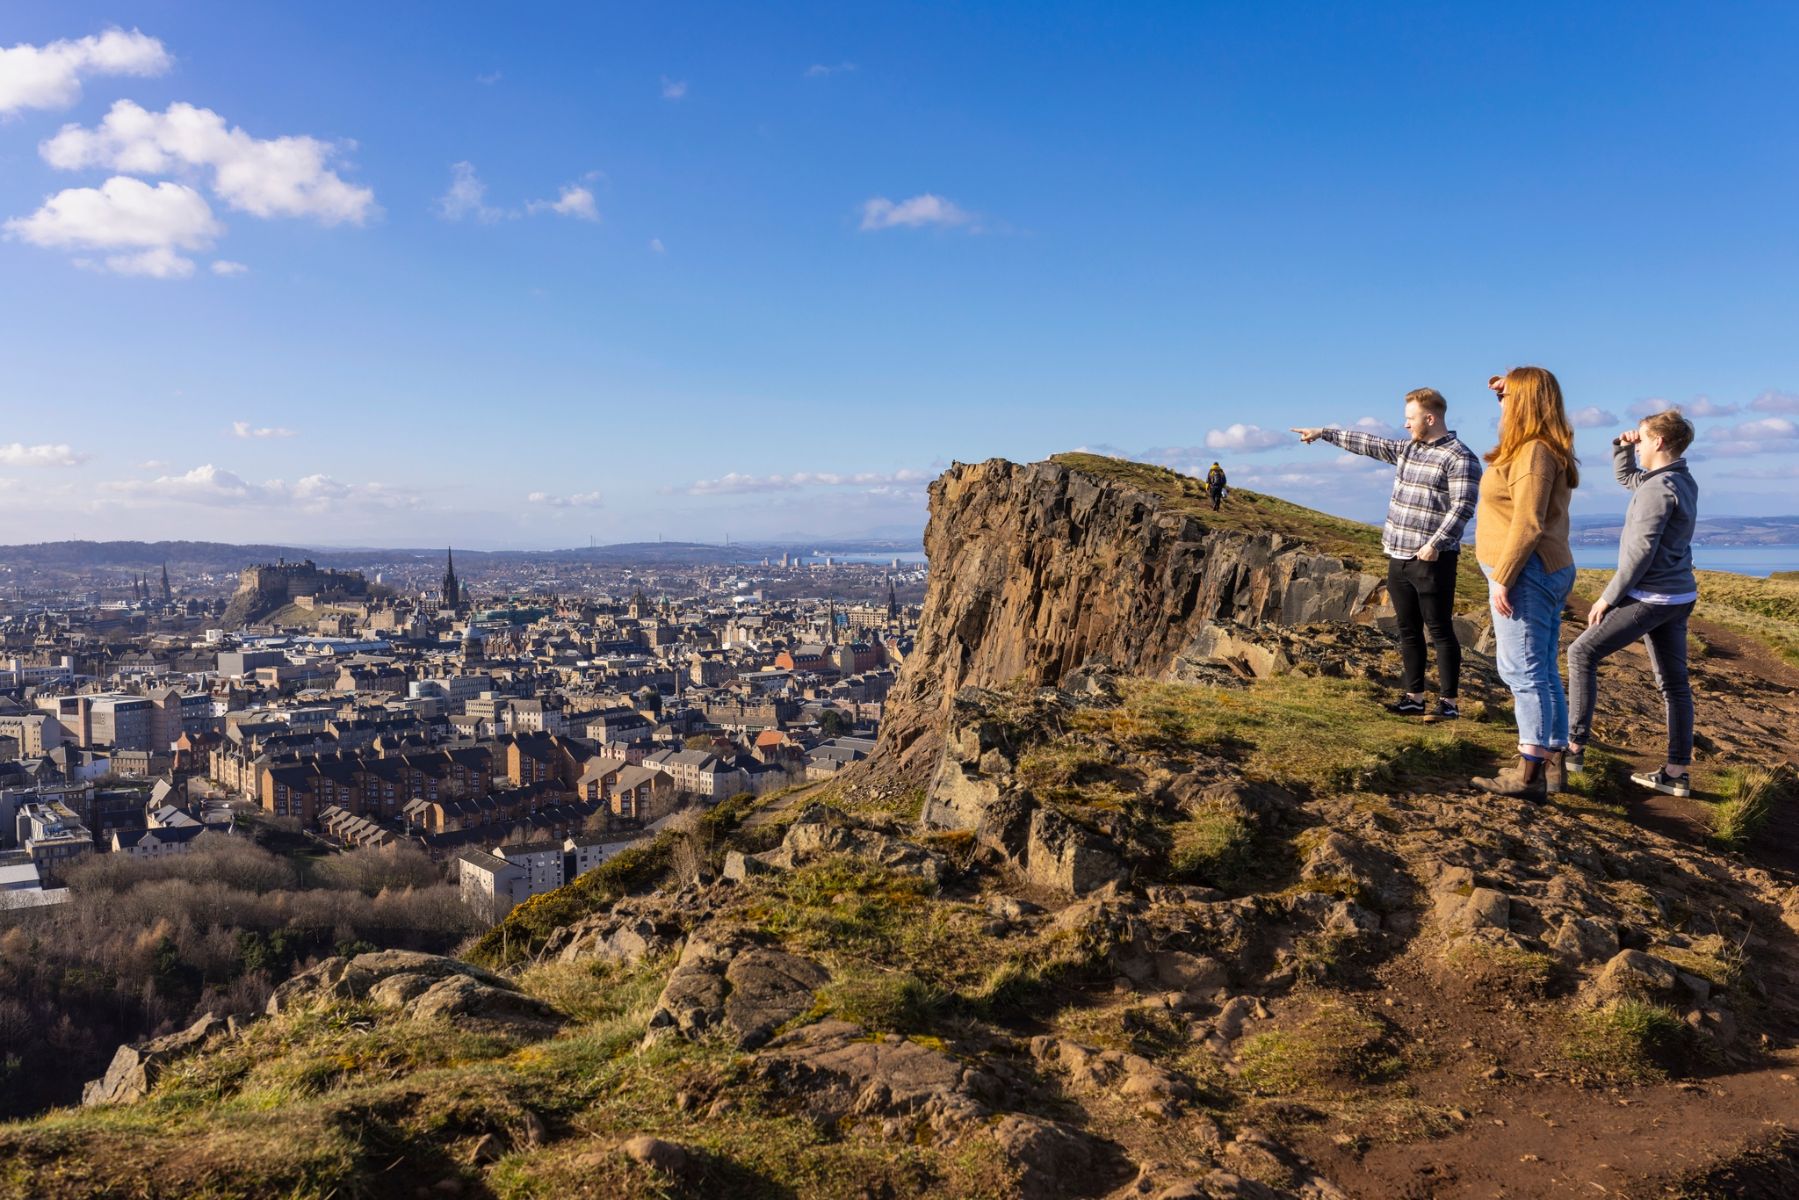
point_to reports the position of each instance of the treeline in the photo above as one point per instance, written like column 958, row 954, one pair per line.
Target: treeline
column 144, row 946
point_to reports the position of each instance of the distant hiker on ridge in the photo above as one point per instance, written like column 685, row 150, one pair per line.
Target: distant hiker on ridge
column 1215, row 484
column 1435, row 484
column 1650, row 596
column 1521, row 542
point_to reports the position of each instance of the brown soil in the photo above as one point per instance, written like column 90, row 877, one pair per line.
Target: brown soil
column 1520, row 1132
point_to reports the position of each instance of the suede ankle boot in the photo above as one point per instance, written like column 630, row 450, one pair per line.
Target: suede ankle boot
column 1526, row 780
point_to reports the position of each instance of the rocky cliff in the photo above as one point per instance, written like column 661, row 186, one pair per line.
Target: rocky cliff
column 1202, row 922
column 1037, row 568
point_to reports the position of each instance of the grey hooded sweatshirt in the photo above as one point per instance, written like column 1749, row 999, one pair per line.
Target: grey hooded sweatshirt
column 1655, row 551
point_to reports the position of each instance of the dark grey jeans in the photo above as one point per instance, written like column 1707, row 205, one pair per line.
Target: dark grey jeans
column 1662, row 628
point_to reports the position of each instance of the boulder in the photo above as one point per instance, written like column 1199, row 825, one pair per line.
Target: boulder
column 1377, row 876
column 1584, row 940
column 727, row 984
column 1069, row 857
column 839, row 1073
column 465, row 999
column 1635, row 975
column 134, row 1069
column 1049, row 1154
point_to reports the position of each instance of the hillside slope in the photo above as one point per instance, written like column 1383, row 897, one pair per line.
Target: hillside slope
column 1204, row 923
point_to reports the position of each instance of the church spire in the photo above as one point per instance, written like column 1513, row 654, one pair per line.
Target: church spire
column 452, row 590
column 167, row 594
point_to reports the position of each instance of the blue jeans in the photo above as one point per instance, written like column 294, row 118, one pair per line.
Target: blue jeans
column 1529, row 650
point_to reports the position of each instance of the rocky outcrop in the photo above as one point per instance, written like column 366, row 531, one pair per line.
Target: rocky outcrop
column 728, row 985
column 819, row 832
column 1036, row 569
column 135, row 1069
column 418, row 987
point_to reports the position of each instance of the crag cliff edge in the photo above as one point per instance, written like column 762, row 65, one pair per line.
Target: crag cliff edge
column 1143, row 895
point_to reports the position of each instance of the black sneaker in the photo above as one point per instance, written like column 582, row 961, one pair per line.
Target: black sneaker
column 1659, row 780
column 1407, row 707
column 1575, row 760
column 1445, row 711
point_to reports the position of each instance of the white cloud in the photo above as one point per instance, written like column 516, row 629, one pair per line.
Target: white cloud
column 50, row 76
column 153, row 464
column 1592, row 417
column 265, row 177
column 121, row 212
column 820, row 70
column 924, row 209
column 1245, row 439
column 224, row 266
column 575, row 201
column 656, row 246
column 46, row 455
column 1770, row 435
column 1776, row 402
column 738, row 484
column 160, row 263
column 488, row 78
column 467, row 197
column 1699, row 406
column 578, row 500
column 219, row 488
column 244, row 429
column 1375, row 427
column 673, row 89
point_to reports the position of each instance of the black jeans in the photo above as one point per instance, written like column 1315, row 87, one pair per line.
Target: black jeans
column 1217, row 497
column 1662, row 628
column 1423, row 595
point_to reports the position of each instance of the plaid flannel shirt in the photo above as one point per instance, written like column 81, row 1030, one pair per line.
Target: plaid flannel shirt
column 1434, row 489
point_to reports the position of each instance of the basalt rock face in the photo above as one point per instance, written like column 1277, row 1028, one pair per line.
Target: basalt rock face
column 1036, row 569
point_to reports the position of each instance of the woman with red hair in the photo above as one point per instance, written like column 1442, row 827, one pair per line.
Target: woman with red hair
column 1521, row 541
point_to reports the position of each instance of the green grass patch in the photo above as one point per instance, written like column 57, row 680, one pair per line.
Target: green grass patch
column 1713, row 958
column 1333, row 1049
column 1754, row 793
column 884, row 1002
column 1497, row 968
column 1764, row 610
column 1627, row 1041
column 1214, row 845
column 1305, row 732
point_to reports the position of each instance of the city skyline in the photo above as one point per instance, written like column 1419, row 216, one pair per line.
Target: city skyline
column 302, row 277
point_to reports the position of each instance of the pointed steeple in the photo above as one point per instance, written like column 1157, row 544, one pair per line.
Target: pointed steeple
column 167, row 594
column 452, row 590
column 892, row 601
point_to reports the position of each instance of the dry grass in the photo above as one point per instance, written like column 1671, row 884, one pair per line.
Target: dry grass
column 1310, row 732
column 1755, row 793
column 1765, row 610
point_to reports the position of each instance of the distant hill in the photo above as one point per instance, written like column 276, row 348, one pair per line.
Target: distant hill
column 1711, row 531
column 216, row 557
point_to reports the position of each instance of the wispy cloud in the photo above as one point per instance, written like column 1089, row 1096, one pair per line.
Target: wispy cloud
column 488, row 78
column 59, row 454
column 467, row 197
column 673, row 89
column 740, row 484
column 224, row 266
column 578, row 500
column 1775, row 435
column 1698, row 406
column 924, row 209
column 575, row 201
column 656, row 246
column 1593, row 417
column 217, row 487
column 49, row 76
column 244, row 429
column 1776, row 402
column 821, row 70
column 1246, row 439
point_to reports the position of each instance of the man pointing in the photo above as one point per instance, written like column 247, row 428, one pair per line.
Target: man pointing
column 1435, row 484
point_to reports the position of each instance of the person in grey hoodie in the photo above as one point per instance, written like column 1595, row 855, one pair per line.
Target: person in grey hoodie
column 1650, row 596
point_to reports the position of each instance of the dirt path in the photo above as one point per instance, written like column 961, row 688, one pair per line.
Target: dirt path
column 782, row 806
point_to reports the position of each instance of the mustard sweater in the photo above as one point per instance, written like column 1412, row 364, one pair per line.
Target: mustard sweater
column 1523, row 511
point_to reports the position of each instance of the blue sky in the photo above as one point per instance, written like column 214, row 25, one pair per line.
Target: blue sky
column 707, row 270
